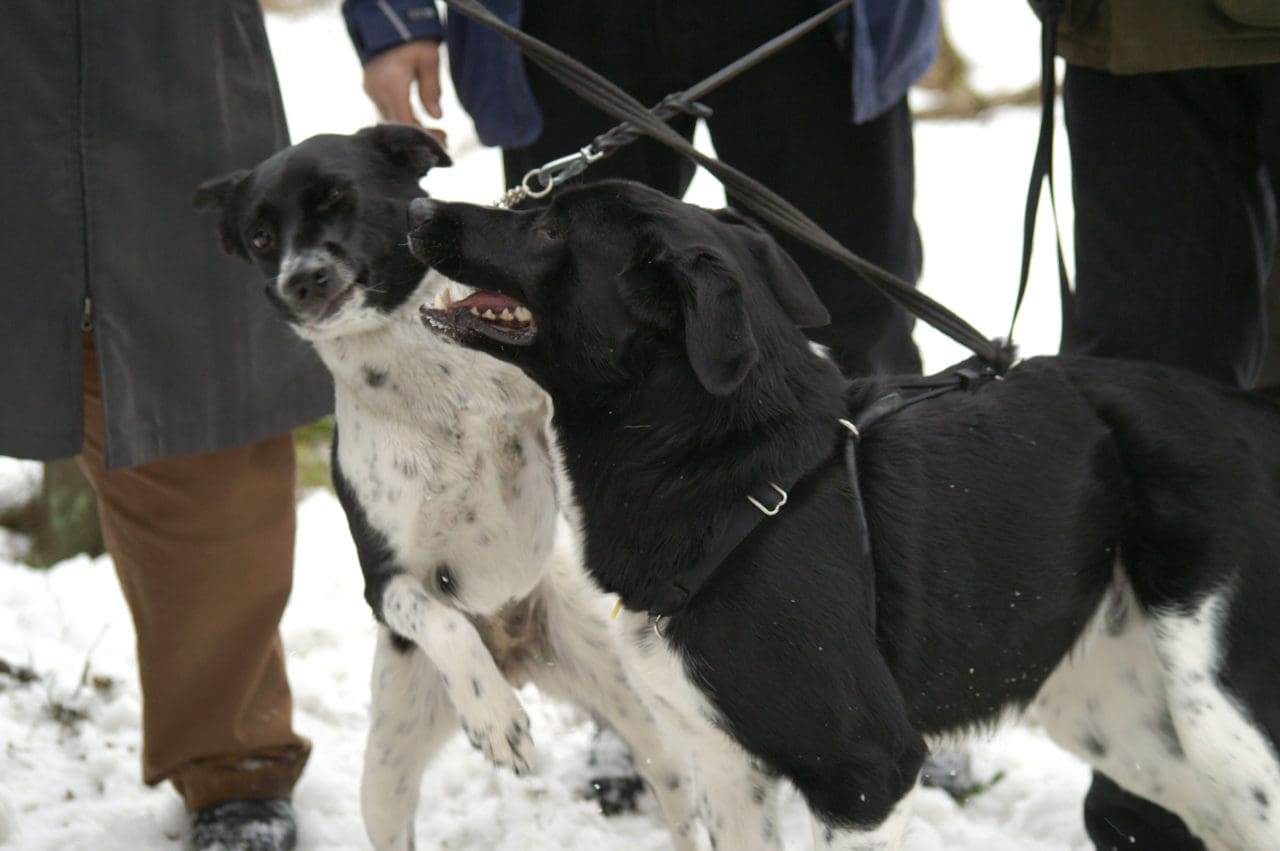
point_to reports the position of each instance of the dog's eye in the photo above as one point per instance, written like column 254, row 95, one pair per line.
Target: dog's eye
column 261, row 240
column 330, row 200
column 550, row 232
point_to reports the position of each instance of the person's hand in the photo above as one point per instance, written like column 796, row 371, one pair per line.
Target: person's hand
column 389, row 76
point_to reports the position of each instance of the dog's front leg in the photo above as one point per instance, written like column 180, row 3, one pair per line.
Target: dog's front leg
column 486, row 705
column 886, row 836
column 410, row 719
column 738, row 799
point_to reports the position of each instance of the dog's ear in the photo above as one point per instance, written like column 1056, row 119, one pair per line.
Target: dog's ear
column 405, row 145
column 219, row 194
column 789, row 285
column 717, row 330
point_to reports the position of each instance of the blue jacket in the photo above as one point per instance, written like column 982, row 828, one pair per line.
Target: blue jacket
column 894, row 42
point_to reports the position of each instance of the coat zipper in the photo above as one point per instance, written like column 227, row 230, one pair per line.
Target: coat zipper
column 86, row 314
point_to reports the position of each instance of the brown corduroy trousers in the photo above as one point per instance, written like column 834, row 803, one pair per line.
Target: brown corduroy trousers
column 203, row 546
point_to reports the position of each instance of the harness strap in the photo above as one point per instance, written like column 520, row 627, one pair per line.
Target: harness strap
column 756, row 507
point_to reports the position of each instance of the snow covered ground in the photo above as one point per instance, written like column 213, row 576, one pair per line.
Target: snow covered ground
column 69, row 703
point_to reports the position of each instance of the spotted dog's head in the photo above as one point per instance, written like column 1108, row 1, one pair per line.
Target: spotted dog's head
column 610, row 280
column 325, row 220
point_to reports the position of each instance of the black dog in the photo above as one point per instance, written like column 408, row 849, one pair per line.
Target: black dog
column 1095, row 538
column 445, row 471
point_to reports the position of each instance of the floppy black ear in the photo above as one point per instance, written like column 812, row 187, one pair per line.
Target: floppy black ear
column 717, row 332
column 219, row 194
column 786, row 281
column 411, row 147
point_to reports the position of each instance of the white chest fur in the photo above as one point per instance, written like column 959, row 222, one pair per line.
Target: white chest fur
column 446, row 451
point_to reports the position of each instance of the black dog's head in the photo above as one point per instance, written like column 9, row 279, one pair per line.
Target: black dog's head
column 325, row 219
column 610, row 280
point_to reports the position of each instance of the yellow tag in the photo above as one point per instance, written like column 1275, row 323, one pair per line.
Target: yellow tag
column 617, row 607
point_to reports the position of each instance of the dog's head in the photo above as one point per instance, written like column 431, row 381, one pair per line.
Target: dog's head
column 611, row 279
column 325, row 220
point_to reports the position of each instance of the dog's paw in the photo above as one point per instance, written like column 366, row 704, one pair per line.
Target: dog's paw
column 499, row 728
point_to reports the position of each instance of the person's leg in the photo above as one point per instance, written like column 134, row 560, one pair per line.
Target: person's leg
column 1266, row 82
column 622, row 44
column 1172, row 232
column 786, row 122
column 203, row 546
column 1268, row 383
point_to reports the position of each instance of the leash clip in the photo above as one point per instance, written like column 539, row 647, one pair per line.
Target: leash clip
column 539, row 181
column 769, row 512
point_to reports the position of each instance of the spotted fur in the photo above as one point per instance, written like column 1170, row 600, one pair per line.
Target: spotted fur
column 443, row 464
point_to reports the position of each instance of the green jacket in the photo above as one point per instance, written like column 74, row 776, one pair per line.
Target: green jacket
column 1137, row 36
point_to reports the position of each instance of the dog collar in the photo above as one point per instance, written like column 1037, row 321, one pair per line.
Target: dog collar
column 767, row 500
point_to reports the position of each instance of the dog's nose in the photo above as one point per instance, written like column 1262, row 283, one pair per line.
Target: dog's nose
column 306, row 285
column 420, row 211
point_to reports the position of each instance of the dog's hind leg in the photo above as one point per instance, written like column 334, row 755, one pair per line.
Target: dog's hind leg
column 587, row 670
column 738, row 798
column 1237, row 803
column 410, row 719
column 486, row 705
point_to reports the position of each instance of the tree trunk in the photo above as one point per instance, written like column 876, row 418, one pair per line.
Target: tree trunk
column 64, row 519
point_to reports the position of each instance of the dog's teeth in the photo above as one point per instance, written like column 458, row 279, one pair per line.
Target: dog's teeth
column 506, row 314
column 475, row 312
column 488, row 314
column 523, row 314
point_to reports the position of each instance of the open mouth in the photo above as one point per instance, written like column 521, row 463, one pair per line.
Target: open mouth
column 481, row 313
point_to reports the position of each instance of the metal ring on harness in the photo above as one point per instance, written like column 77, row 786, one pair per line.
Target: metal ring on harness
column 769, row 512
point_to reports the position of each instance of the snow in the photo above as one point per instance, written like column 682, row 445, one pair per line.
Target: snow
column 69, row 773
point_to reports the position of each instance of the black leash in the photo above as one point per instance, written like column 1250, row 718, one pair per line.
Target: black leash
column 756, row 508
column 1042, row 172
column 758, row 199
column 540, row 181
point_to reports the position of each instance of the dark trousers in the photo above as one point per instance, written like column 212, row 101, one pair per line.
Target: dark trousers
column 1175, row 180
column 785, row 123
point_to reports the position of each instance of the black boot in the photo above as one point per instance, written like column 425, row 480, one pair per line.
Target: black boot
column 252, row 824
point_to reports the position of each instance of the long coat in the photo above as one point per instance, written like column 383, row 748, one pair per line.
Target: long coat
column 113, row 111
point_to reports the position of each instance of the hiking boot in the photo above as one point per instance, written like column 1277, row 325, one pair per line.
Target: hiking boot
column 251, row 824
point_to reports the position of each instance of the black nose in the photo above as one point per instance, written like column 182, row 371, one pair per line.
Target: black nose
column 306, row 285
column 420, row 211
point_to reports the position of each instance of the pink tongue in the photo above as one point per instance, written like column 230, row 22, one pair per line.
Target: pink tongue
column 483, row 300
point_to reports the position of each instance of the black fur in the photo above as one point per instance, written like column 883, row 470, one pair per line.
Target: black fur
column 349, row 194
column 377, row 560
column 680, row 381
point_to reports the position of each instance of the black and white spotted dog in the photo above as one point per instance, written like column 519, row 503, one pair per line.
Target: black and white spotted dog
column 444, row 469
column 1098, row 539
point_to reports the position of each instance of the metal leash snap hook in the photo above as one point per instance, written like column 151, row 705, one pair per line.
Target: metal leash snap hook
column 769, row 512
column 853, row 429
column 552, row 174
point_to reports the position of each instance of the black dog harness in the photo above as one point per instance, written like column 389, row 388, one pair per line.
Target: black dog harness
column 769, row 499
